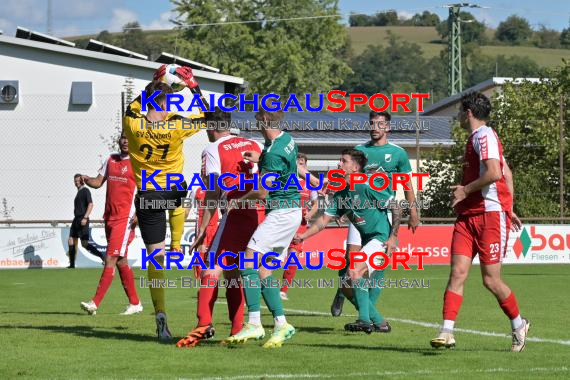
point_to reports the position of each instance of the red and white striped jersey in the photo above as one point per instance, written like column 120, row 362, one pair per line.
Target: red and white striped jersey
column 121, row 187
column 484, row 144
column 226, row 156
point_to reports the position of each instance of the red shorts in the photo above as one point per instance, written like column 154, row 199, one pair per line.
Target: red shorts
column 484, row 234
column 119, row 235
column 298, row 247
column 234, row 231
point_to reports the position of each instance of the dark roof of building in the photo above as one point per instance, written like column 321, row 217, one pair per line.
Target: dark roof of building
column 344, row 128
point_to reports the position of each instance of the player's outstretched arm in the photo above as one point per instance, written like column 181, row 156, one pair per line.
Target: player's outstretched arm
column 317, row 227
column 94, row 182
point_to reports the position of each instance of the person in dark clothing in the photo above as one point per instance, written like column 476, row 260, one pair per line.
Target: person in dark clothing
column 83, row 205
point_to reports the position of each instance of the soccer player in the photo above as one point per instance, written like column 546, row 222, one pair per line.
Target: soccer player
column 199, row 195
column 274, row 234
column 224, row 155
column 83, row 205
column 120, row 221
column 377, row 235
column 484, row 205
column 159, row 149
column 308, row 198
column 383, row 156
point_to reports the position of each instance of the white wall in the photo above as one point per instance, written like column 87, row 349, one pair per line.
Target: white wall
column 46, row 140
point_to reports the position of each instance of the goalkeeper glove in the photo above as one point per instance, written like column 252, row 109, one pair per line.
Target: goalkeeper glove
column 185, row 73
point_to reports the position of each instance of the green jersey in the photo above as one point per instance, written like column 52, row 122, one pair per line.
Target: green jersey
column 280, row 156
column 388, row 158
column 361, row 206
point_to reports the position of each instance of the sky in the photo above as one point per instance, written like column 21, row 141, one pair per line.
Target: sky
column 78, row 17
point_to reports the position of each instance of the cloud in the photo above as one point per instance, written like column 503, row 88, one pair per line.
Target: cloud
column 163, row 22
column 121, row 17
column 404, row 15
column 6, row 26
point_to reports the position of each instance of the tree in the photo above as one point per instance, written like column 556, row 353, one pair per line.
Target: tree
column 273, row 56
column 481, row 67
column 425, row 19
column 515, row 30
column 106, row 37
column 546, row 38
column 471, row 29
column 386, row 18
column 565, row 38
column 133, row 38
column 359, row 20
column 525, row 117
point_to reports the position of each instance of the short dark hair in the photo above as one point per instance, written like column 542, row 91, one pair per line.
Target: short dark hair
column 77, row 175
column 271, row 115
column 479, row 104
column 158, row 86
column 219, row 118
column 374, row 114
column 302, row 156
column 358, row 156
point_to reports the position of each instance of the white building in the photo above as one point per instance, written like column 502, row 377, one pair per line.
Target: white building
column 59, row 107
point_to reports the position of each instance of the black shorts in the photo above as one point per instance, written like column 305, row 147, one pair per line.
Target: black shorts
column 152, row 219
column 79, row 231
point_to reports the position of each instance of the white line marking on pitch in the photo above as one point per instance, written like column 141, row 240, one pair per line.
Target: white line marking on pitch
column 432, row 325
column 389, row 373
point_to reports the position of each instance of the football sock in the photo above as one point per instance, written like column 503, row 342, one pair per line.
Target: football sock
column 207, row 295
column 448, row 325
column 288, row 276
column 361, row 298
column 157, row 293
column 451, row 305
column 176, row 221
column 104, row 283
column 511, row 310
column 341, row 274
column 374, row 294
column 254, row 318
column 280, row 321
column 270, row 292
column 72, row 255
column 128, row 281
column 251, row 289
column 234, row 298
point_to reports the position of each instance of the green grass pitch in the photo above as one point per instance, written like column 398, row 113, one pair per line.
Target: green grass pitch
column 44, row 334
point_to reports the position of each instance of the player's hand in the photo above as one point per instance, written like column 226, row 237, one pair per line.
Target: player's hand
column 185, row 73
column 413, row 221
column 84, row 221
column 516, row 223
column 459, row 194
column 391, row 245
column 197, row 242
column 159, row 73
column 133, row 222
column 297, row 239
column 252, row 156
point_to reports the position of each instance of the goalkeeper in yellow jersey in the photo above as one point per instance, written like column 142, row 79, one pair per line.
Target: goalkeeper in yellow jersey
column 159, row 149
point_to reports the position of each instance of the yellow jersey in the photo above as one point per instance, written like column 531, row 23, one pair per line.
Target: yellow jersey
column 153, row 149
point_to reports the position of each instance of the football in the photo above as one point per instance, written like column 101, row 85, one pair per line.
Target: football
column 172, row 79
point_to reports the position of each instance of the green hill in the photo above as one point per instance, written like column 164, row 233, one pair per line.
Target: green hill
column 426, row 37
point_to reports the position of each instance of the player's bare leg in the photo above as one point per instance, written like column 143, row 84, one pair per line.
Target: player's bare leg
column 342, row 292
column 207, row 296
column 492, row 280
column 452, row 299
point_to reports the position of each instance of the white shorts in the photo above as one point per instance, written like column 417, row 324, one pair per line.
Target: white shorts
column 353, row 237
column 275, row 233
column 371, row 247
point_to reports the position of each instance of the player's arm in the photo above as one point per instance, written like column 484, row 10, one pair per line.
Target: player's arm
column 516, row 223
column 314, row 206
column 259, row 194
column 208, row 212
column 87, row 212
column 392, row 242
column 410, row 195
column 491, row 174
column 314, row 180
column 94, row 182
column 317, row 227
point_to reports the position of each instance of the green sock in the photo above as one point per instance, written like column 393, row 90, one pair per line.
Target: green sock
column 361, row 298
column 373, row 295
column 251, row 289
column 271, row 296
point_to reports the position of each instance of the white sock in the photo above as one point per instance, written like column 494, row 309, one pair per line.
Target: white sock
column 448, row 324
column 255, row 318
column 280, row 320
column 517, row 322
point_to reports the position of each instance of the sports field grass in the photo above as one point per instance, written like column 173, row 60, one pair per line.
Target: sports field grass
column 44, row 334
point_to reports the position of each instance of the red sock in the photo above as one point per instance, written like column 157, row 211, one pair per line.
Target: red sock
column 207, row 295
column 288, row 276
column 104, row 283
column 510, row 307
column 451, row 305
column 235, row 299
column 128, row 280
